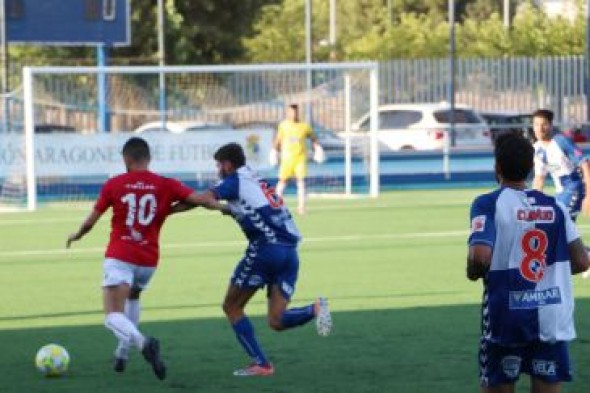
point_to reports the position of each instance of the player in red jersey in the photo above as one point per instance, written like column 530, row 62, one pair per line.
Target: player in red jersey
column 141, row 200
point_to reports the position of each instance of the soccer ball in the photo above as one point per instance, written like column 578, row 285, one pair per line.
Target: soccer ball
column 52, row 360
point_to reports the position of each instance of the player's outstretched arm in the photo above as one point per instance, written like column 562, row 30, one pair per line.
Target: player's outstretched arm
column 85, row 227
column 479, row 259
column 181, row 207
column 273, row 156
column 207, row 200
column 578, row 256
column 538, row 182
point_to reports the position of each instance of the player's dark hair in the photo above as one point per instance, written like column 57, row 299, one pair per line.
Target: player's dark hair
column 233, row 153
column 514, row 156
column 545, row 114
column 295, row 107
column 137, row 149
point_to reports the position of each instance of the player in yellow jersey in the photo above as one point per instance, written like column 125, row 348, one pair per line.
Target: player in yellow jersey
column 290, row 141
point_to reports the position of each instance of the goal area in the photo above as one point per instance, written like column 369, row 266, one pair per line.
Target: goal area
column 68, row 124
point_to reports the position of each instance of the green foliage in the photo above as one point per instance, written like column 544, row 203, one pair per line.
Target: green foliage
column 415, row 35
column 483, row 38
column 229, row 31
column 285, row 41
column 376, row 29
column 534, row 34
column 204, row 31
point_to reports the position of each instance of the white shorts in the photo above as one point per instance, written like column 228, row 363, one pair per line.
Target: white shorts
column 118, row 272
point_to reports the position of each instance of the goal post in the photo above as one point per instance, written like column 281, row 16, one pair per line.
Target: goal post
column 31, row 181
column 212, row 105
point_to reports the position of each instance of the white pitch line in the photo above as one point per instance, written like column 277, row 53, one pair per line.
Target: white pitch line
column 226, row 243
column 53, row 220
column 38, row 221
column 324, row 207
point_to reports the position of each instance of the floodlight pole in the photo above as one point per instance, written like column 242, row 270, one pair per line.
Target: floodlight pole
column 103, row 115
column 452, row 56
column 332, row 37
column 162, row 62
column 506, row 14
column 450, row 140
column 308, row 59
column 4, row 59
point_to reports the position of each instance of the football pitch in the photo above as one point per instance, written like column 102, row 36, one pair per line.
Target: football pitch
column 406, row 318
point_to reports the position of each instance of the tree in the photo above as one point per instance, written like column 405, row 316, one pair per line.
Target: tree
column 204, row 31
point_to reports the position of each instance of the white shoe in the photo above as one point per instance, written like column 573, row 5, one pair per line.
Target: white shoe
column 323, row 318
column 586, row 274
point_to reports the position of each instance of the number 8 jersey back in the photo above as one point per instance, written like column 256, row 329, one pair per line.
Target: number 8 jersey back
column 141, row 201
column 528, row 289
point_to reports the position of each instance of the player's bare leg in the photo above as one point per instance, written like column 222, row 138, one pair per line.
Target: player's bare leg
column 234, row 303
column 301, row 195
column 132, row 312
column 505, row 388
column 281, row 318
column 586, row 274
column 539, row 386
column 277, row 305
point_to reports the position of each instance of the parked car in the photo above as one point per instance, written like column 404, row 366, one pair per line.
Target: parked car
column 425, row 126
column 179, row 127
column 506, row 121
column 333, row 143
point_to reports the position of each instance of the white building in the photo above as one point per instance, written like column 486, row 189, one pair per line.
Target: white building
column 565, row 8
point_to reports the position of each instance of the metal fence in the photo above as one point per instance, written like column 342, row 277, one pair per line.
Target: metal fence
column 507, row 84
column 515, row 84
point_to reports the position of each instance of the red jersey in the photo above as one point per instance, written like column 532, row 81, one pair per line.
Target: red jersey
column 141, row 201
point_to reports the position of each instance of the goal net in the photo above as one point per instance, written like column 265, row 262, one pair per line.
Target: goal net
column 15, row 154
column 76, row 120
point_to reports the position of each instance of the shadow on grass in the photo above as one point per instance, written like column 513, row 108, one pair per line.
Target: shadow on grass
column 26, row 317
column 417, row 350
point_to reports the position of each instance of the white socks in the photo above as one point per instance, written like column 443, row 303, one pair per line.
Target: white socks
column 132, row 311
column 124, row 329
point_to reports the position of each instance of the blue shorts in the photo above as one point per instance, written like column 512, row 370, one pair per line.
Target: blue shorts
column 502, row 365
column 572, row 199
column 267, row 264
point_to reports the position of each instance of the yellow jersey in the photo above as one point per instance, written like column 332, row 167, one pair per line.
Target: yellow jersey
column 292, row 137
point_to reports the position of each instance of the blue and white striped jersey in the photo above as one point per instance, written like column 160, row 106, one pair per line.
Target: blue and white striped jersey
column 528, row 289
column 561, row 159
column 260, row 213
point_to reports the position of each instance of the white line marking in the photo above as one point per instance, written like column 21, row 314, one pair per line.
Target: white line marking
column 242, row 243
column 324, row 207
column 231, row 243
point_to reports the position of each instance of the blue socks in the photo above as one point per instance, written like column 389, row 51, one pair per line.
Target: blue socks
column 245, row 335
column 297, row 316
column 245, row 331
